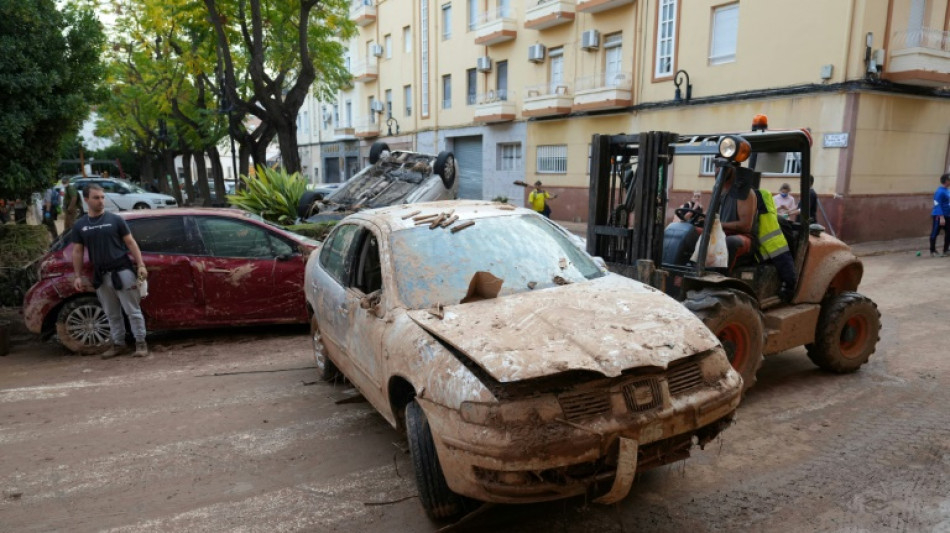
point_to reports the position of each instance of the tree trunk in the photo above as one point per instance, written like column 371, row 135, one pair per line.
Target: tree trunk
column 189, row 188
column 158, row 169
column 289, row 154
column 147, row 179
column 244, row 163
column 217, row 172
column 171, row 177
column 203, row 179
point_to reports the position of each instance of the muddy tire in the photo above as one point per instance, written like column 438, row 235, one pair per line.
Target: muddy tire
column 326, row 370
column 437, row 499
column 849, row 327
column 734, row 318
column 376, row 151
column 83, row 327
column 445, row 168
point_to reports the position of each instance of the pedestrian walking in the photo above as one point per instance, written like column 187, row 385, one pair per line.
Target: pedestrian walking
column 51, row 201
column 784, row 201
column 115, row 276
column 70, row 204
column 940, row 217
column 538, row 199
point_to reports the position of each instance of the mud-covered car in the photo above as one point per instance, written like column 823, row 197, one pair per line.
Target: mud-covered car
column 520, row 370
column 392, row 177
column 207, row 268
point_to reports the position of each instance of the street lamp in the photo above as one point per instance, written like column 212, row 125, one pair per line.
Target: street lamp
column 678, row 96
column 389, row 125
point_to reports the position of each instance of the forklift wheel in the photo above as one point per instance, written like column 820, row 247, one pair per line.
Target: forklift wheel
column 848, row 330
column 735, row 318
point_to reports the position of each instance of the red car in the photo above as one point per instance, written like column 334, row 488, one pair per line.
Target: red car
column 207, row 268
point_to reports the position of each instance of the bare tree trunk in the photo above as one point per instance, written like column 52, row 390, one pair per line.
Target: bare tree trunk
column 289, row 154
column 217, row 172
column 189, row 188
column 158, row 168
column 172, row 176
column 244, row 163
column 203, row 179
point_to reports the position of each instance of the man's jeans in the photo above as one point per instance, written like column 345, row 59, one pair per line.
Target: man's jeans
column 126, row 299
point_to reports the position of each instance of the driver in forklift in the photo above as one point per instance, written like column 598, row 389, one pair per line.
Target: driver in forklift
column 737, row 213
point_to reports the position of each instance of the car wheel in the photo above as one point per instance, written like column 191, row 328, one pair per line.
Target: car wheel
column 307, row 204
column 849, row 327
column 325, row 367
column 445, row 168
column 141, row 205
column 437, row 499
column 376, row 151
column 734, row 318
column 82, row 326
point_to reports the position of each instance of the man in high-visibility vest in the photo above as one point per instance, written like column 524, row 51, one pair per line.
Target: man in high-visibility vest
column 773, row 246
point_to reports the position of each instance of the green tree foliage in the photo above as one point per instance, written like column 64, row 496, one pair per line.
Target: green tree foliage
column 50, row 74
column 272, row 194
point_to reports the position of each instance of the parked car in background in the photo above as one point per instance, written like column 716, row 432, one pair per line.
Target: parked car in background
column 207, row 268
column 392, row 178
column 311, row 198
column 122, row 195
column 520, row 369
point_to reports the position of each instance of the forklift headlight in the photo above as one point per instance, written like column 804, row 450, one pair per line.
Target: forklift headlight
column 734, row 148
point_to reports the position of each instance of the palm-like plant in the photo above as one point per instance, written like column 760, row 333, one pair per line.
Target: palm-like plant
column 272, row 194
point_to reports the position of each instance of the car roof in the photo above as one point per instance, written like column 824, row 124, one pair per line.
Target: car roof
column 401, row 217
column 186, row 211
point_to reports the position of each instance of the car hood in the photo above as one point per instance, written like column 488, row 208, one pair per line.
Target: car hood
column 606, row 325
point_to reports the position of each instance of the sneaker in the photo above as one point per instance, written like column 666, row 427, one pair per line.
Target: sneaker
column 115, row 351
column 141, row 349
column 935, row 254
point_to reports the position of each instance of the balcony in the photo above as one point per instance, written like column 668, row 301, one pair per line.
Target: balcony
column 365, row 71
column 603, row 91
column 344, row 131
column 596, row 6
column 545, row 14
column 363, row 12
column 920, row 57
column 496, row 27
column 367, row 127
column 495, row 106
column 547, row 99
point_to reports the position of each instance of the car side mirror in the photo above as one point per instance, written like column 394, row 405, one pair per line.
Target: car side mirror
column 372, row 302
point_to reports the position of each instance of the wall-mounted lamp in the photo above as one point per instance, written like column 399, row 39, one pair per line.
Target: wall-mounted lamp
column 678, row 96
column 389, row 125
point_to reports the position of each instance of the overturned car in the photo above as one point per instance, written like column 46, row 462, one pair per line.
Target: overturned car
column 520, row 370
column 393, row 177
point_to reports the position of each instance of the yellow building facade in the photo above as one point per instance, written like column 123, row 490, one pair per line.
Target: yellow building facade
column 517, row 89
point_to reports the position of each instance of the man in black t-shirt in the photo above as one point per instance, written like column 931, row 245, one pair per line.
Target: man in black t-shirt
column 115, row 276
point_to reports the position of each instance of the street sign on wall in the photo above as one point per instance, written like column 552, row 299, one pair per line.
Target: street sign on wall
column 835, row 140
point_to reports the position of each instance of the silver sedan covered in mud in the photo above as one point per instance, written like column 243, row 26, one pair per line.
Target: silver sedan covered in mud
column 519, row 369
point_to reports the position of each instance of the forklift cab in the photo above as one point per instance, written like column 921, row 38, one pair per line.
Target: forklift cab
column 628, row 206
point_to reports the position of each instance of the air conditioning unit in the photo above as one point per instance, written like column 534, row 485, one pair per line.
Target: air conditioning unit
column 377, row 105
column 376, row 50
column 483, row 64
column 536, row 53
column 590, row 40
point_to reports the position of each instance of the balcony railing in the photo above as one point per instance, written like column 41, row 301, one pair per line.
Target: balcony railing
column 547, row 99
column 495, row 106
column 367, row 127
column 920, row 57
column 543, row 14
column 364, row 71
column 496, row 27
column 363, row 12
column 603, row 91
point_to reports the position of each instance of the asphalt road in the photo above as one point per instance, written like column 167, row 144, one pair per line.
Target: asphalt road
column 228, row 430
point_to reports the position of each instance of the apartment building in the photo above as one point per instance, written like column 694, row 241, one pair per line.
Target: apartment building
column 517, row 89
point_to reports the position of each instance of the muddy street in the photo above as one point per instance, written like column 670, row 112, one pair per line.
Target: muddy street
column 227, row 430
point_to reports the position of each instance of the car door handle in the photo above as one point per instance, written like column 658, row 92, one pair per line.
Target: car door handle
column 219, row 270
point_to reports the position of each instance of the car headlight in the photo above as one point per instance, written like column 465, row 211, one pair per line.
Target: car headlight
column 734, row 148
column 541, row 409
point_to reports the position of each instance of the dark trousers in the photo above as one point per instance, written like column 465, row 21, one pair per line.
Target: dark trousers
column 546, row 211
column 935, row 230
column 785, row 266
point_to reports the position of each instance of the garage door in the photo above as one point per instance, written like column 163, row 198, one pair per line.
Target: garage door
column 468, row 154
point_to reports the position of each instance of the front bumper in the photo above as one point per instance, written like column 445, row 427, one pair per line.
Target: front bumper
column 551, row 460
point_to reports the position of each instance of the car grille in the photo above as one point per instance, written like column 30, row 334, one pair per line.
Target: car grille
column 583, row 404
column 684, row 377
column 642, row 395
column 169, row 202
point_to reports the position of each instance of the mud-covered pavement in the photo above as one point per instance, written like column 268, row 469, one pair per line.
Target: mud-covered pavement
column 228, row 430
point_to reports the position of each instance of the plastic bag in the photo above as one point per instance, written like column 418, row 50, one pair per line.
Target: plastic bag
column 143, row 288
column 717, row 254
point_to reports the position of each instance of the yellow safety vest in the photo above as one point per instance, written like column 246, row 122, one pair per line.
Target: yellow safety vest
column 771, row 240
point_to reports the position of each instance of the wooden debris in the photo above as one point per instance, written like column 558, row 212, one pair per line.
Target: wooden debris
column 462, row 226
column 507, row 207
column 425, row 217
column 449, row 221
column 410, row 215
column 437, row 221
